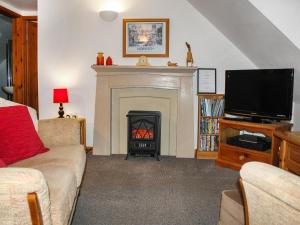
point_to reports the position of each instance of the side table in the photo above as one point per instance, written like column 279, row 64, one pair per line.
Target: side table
column 289, row 150
column 82, row 122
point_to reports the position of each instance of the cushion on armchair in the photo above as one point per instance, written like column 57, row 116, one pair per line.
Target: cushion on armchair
column 2, row 163
column 32, row 112
column 18, row 137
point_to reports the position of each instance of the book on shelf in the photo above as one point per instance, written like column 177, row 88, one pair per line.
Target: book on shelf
column 209, row 142
column 212, row 107
column 209, row 126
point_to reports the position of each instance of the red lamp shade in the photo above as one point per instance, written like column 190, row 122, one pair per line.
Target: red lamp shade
column 60, row 95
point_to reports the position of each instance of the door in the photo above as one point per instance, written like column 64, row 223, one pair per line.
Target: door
column 31, row 65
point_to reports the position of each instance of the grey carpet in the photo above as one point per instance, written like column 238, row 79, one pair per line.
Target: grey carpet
column 142, row 191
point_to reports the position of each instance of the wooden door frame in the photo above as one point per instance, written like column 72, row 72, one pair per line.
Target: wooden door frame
column 31, row 92
column 18, row 52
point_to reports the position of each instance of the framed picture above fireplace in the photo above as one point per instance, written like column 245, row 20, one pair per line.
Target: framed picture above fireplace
column 146, row 37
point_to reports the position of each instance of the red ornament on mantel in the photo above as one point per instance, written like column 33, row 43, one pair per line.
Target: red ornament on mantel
column 100, row 59
column 109, row 61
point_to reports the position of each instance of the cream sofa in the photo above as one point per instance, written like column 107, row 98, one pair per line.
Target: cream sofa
column 55, row 176
column 271, row 197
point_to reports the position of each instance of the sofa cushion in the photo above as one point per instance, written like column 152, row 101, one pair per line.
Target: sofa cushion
column 18, row 138
column 32, row 112
column 59, row 132
column 72, row 156
column 2, row 163
column 62, row 189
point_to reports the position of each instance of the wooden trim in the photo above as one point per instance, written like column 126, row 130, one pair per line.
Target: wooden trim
column 35, row 210
column 82, row 123
column 88, row 149
column 246, row 210
column 165, row 20
column 291, row 137
column 206, row 154
column 30, row 18
column 8, row 12
column 19, row 42
column 283, row 151
column 211, row 95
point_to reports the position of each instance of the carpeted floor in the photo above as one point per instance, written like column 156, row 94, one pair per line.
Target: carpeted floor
column 142, row 191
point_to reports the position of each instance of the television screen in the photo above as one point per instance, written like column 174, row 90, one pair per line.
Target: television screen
column 262, row 93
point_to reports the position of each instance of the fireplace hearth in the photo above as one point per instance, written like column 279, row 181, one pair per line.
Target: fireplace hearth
column 144, row 133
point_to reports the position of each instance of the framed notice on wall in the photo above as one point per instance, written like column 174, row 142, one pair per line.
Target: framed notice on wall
column 206, row 80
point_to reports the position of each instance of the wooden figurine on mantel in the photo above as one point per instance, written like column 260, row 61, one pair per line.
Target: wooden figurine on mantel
column 189, row 55
column 172, row 64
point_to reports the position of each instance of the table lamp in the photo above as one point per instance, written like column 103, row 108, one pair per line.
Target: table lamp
column 60, row 95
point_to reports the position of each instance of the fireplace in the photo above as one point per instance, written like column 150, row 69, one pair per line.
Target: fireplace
column 108, row 137
column 144, row 133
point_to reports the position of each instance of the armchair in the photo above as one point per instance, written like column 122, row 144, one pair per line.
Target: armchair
column 268, row 196
column 271, row 195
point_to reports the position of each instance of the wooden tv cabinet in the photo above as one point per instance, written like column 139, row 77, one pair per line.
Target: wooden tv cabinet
column 234, row 156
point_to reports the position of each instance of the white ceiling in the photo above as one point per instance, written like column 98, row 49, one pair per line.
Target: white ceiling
column 22, row 5
column 248, row 29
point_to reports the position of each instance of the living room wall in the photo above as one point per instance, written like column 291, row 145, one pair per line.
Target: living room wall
column 71, row 33
column 285, row 16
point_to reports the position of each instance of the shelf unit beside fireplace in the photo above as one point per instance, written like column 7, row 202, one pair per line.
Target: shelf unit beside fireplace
column 208, row 125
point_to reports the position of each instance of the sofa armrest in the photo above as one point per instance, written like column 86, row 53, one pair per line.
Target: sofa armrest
column 15, row 185
column 59, row 132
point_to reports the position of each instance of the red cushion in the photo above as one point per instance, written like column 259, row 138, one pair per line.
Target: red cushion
column 2, row 164
column 18, row 137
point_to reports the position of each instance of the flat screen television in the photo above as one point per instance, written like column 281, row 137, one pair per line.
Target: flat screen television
column 260, row 94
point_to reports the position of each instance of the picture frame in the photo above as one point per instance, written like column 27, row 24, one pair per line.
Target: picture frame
column 206, row 80
column 146, row 37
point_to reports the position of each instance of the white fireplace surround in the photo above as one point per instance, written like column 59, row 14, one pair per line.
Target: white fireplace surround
column 170, row 78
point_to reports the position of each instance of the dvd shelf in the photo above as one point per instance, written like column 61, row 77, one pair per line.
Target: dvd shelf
column 210, row 111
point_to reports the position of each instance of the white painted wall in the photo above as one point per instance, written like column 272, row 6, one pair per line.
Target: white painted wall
column 71, row 33
column 284, row 14
column 296, row 117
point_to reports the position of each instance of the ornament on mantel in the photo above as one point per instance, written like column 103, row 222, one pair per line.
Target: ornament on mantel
column 189, row 55
column 143, row 61
column 109, row 61
column 100, row 59
column 172, row 64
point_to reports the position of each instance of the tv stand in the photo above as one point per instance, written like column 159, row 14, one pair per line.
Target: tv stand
column 234, row 156
column 249, row 119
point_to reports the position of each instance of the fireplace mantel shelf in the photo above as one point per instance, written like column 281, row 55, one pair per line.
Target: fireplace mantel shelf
column 159, row 70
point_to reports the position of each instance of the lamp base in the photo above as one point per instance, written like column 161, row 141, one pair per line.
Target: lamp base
column 61, row 111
